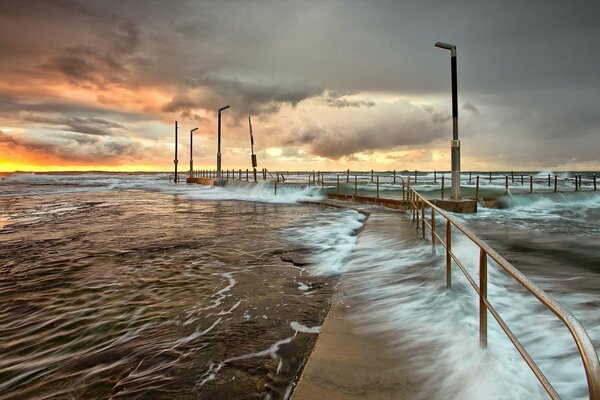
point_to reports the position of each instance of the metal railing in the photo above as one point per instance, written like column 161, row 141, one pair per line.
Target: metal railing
column 588, row 354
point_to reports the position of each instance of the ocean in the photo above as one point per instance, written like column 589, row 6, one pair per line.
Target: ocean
column 130, row 286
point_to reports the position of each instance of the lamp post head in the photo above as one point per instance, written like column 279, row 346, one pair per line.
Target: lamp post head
column 223, row 108
column 447, row 46
column 192, row 131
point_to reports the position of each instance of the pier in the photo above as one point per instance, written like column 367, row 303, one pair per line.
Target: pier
column 348, row 364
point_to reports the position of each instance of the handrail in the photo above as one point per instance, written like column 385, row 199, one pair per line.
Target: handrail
column 584, row 344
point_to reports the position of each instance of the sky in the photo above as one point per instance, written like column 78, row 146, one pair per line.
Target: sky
column 330, row 85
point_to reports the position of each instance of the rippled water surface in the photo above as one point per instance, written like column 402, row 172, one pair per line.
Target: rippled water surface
column 140, row 294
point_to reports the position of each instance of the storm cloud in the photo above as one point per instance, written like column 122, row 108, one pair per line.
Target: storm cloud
column 329, row 79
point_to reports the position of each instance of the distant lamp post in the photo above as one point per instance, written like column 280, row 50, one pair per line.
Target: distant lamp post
column 175, row 160
column 192, row 151
column 455, row 150
column 219, row 143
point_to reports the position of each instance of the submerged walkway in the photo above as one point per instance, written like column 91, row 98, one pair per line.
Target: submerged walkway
column 348, row 362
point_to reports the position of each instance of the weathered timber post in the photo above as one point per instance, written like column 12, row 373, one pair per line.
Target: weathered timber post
column 355, row 186
column 371, row 176
column 442, row 195
column 530, row 184
column 434, row 176
column 477, row 187
column 555, row 183
column 348, row 176
column 548, row 180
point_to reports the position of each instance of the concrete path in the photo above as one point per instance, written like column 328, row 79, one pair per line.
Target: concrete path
column 346, row 363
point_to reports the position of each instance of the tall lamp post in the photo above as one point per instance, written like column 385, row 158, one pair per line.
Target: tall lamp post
column 192, row 151
column 455, row 150
column 219, row 144
column 175, row 160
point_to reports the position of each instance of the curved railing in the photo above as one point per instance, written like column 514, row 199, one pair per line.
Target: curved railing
column 589, row 357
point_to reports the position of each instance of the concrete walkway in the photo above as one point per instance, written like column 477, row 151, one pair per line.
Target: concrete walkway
column 347, row 363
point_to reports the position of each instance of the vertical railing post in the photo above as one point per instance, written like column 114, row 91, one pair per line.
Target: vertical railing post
column 423, row 219
column 482, row 297
column 575, row 182
column 348, row 176
column 432, row 230
column 377, row 186
column 490, row 176
column 594, row 181
column 477, row 187
column 394, row 176
column 355, row 186
column 434, row 176
column 415, row 176
column 555, row 183
column 417, row 211
column 470, row 177
column 548, row 180
column 371, row 176
column 403, row 189
column 512, row 176
column 442, row 194
column 338, row 184
column 506, row 183
column 448, row 257
column 522, row 181
column 530, row 184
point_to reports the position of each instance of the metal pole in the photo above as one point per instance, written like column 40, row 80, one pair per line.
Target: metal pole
column 477, row 187
column 371, row 176
column 432, row 230
column 506, row 183
column 594, row 181
column 482, row 296
column 394, row 176
column 219, row 143
column 530, row 184
column 455, row 149
column 442, row 195
column 355, row 186
column 175, row 161
column 556, row 183
column 348, row 176
column 448, row 256
column 434, row 176
column 377, row 186
column 338, row 183
column 192, row 151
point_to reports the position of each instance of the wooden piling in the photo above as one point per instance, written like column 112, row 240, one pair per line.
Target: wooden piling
column 371, row 176
column 434, row 176
column 490, row 176
column 594, row 182
column 477, row 187
column 530, row 184
column 355, row 185
column 548, row 180
column 512, row 176
column 555, row 183
column 506, row 184
column 348, row 176
column 394, row 176
column 377, row 186
column 442, row 195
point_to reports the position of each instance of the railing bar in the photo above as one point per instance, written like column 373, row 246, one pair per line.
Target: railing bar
column 522, row 351
column 582, row 340
column 465, row 273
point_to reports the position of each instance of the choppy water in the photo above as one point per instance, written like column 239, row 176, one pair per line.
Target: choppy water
column 111, row 292
column 127, row 286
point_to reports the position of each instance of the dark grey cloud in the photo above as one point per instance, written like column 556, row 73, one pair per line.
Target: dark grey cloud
column 83, row 125
column 529, row 67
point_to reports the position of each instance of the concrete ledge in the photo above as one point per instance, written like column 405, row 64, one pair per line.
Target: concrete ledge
column 458, row 206
column 389, row 203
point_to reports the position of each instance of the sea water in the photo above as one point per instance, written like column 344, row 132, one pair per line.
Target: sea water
column 126, row 285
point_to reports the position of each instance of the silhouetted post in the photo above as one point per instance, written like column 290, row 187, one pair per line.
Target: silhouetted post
column 434, row 176
column 522, row 181
column 490, row 176
column 415, row 176
column 442, row 194
column 264, row 174
column 403, row 191
column 253, row 156
column 371, row 176
column 530, row 184
column 192, row 152
column 394, row 176
column 247, row 175
column 175, row 161
column 355, row 186
column 377, row 186
column 477, row 187
column 594, row 181
column 512, row 176
column 555, row 183
column 506, row 183
column 469, row 177
column 219, row 142
column 348, row 176
column 275, row 188
column 548, row 180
